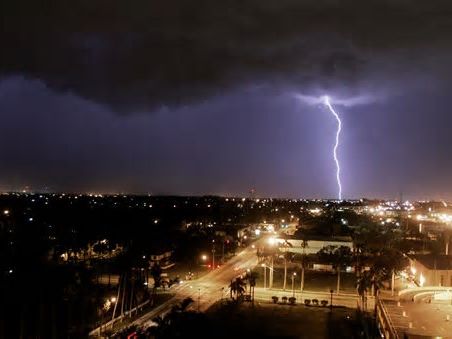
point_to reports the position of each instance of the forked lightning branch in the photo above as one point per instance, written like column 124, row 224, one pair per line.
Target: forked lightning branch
column 326, row 101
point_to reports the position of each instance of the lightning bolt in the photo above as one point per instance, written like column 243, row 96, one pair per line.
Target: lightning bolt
column 326, row 101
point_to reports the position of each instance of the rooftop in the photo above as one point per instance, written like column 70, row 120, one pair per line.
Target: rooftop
column 318, row 237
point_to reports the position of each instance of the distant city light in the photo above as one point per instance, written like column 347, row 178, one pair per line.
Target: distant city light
column 315, row 210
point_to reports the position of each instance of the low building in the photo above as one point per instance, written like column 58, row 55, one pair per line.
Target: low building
column 432, row 270
column 313, row 244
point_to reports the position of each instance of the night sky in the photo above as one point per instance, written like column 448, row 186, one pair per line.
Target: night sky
column 200, row 97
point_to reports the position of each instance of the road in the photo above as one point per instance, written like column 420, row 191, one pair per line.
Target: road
column 206, row 290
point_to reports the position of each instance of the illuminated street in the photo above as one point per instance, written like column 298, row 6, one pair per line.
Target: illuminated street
column 206, row 290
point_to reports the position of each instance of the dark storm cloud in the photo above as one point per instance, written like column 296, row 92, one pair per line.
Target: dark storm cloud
column 142, row 55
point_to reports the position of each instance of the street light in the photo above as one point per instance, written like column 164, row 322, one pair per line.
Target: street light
column 294, row 274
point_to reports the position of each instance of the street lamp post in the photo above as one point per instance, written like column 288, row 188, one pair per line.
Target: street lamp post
column 271, row 274
column 293, row 289
column 331, row 300
column 204, row 260
column 199, row 297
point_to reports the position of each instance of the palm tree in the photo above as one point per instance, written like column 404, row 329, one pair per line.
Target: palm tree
column 363, row 284
column 237, row 288
column 269, row 253
column 286, row 256
column 377, row 278
column 252, row 277
column 304, row 260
